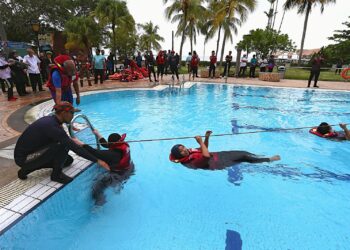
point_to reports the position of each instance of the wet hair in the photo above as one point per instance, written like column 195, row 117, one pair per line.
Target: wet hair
column 114, row 137
column 175, row 151
column 323, row 128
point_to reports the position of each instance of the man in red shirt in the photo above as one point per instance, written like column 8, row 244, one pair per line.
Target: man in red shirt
column 212, row 65
column 201, row 158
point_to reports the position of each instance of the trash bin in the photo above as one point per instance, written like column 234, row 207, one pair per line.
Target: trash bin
column 282, row 71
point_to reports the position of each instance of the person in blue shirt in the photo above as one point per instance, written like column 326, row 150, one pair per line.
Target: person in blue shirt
column 99, row 66
column 253, row 63
column 62, row 76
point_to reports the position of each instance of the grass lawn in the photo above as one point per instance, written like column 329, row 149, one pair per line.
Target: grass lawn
column 291, row 73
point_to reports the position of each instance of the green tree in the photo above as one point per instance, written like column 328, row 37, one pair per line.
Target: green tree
column 83, row 32
column 266, row 42
column 196, row 16
column 305, row 6
column 18, row 14
column 112, row 13
column 178, row 12
column 341, row 50
column 235, row 12
column 150, row 38
column 126, row 37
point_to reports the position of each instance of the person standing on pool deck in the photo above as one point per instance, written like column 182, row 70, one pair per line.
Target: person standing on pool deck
column 62, row 76
column 315, row 70
column 201, row 158
column 45, row 144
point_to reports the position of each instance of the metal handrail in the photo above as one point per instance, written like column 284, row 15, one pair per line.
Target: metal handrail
column 70, row 127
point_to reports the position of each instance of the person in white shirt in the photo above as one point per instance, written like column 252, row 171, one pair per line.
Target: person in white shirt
column 188, row 62
column 262, row 64
column 33, row 63
column 5, row 76
column 243, row 66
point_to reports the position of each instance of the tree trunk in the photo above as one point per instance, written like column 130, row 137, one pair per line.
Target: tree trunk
column 3, row 36
column 279, row 29
column 218, row 41
column 182, row 44
column 113, row 37
column 274, row 15
column 191, row 40
column 304, row 32
column 223, row 49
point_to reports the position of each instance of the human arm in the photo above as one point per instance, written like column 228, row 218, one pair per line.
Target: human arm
column 56, row 80
column 203, row 147
column 76, row 89
column 207, row 135
column 100, row 138
column 346, row 131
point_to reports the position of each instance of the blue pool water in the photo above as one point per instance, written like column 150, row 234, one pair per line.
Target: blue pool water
column 300, row 202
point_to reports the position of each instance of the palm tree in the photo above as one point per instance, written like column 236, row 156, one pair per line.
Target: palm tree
column 180, row 11
column 214, row 22
column 112, row 13
column 231, row 9
column 196, row 14
column 305, row 6
column 83, row 32
column 150, row 38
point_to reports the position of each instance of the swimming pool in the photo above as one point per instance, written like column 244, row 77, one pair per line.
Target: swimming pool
column 300, row 202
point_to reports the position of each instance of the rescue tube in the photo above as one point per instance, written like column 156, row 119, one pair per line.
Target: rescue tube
column 344, row 74
column 328, row 135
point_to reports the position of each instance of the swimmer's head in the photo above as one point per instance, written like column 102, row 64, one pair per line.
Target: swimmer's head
column 324, row 128
column 179, row 151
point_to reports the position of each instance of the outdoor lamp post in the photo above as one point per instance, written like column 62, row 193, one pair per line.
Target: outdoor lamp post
column 36, row 29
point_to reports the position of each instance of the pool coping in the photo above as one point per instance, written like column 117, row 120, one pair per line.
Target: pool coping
column 36, row 190
column 41, row 189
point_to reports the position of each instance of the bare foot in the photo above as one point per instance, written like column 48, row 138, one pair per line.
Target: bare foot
column 275, row 158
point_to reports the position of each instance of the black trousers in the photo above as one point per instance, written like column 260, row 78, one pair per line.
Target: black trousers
column 227, row 69
column 252, row 71
column 194, row 72
column 99, row 72
column 262, row 69
column 212, row 68
column 160, row 70
column 242, row 71
column 9, row 84
column 108, row 179
column 229, row 158
column 316, row 74
column 53, row 156
column 35, row 81
column 175, row 71
column 151, row 70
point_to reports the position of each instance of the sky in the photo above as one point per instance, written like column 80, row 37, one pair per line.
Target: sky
column 320, row 26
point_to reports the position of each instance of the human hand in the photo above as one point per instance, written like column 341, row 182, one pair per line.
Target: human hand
column 103, row 164
column 208, row 133
column 77, row 100
column 198, row 139
column 342, row 125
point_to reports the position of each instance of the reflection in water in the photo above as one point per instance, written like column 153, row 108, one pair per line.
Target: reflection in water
column 235, row 173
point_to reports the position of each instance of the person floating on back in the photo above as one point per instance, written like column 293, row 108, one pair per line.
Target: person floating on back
column 325, row 130
column 117, row 157
column 203, row 159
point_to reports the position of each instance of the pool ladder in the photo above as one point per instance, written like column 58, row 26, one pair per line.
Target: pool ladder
column 71, row 131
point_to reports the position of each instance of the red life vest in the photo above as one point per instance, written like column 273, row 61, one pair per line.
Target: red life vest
column 66, row 81
column 194, row 61
column 328, row 135
column 195, row 153
column 125, row 161
column 160, row 59
column 213, row 59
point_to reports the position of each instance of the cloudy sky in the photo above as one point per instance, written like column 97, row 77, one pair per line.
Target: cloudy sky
column 320, row 26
